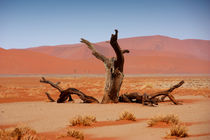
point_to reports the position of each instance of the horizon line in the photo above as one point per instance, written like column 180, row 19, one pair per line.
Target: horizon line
column 159, row 35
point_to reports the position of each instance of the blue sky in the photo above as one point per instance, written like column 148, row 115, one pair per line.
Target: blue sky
column 30, row 23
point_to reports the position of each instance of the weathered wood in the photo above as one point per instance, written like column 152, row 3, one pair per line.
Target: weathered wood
column 49, row 97
column 167, row 93
column 114, row 69
column 43, row 80
column 151, row 99
column 94, row 52
column 136, row 97
column 66, row 94
column 85, row 98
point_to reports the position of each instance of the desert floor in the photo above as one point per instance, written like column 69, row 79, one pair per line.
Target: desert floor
column 23, row 102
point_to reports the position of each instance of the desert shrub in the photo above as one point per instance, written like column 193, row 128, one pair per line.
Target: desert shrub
column 169, row 119
column 75, row 134
column 178, row 131
column 127, row 116
column 85, row 120
column 30, row 137
column 22, row 133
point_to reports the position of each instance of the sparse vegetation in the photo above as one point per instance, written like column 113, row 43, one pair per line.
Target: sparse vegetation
column 83, row 120
column 19, row 133
column 73, row 133
column 178, row 131
column 169, row 119
column 76, row 134
column 127, row 116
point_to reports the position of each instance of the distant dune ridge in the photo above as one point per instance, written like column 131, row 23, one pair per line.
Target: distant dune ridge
column 149, row 54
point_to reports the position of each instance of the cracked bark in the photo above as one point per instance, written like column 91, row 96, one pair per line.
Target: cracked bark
column 114, row 69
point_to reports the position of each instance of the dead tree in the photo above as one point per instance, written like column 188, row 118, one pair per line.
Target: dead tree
column 66, row 94
column 135, row 97
column 151, row 99
column 114, row 69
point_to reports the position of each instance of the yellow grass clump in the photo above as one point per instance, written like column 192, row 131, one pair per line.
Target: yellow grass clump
column 75, row 134
column 169, row 119
column 178, row 131
column 83, row 120
column 20, row 133
column 127, row 116
column 72, row 133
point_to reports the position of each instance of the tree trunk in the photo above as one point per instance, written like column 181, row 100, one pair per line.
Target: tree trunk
column 112, row 87
column 114, row 69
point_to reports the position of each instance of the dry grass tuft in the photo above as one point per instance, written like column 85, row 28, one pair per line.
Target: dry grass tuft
column 178, row 131
column 22, row 133
column 85, row 120
column 169, row 119
column 76, row 134
column 72, row 133
column 127, row 116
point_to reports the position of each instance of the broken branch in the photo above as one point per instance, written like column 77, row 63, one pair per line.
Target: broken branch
column 43, row 80
column 94, row 52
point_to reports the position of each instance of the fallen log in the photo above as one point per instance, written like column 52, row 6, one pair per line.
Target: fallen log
column 66, row 94
column 151, row 99
column 167, row 93
column 136, row 97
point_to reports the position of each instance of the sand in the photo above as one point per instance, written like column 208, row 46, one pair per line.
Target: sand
column 51, row 119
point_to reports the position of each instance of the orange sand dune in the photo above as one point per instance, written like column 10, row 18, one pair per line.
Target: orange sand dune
column 194, row 47
column 152, row 54
column 28, row 62
column 165, row 64
column 72, row 52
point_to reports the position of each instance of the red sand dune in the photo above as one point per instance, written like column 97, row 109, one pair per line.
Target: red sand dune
column 28, row 62
column 166, row 64
column 151, row 54
column 191, row 47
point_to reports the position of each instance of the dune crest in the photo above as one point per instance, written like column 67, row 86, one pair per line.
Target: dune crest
column 149, row 54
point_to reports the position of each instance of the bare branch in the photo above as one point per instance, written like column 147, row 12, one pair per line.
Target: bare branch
column 167, row 92
column 151, row 99
column 86, row 99
column 49, row 97
column 65, row 94
column 120, row 58
column 125, row 51
column 94, row 52
column 43, row 80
